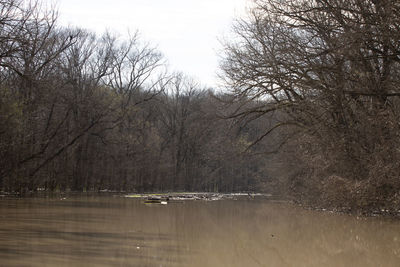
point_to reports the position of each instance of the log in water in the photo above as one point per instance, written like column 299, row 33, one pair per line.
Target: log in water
column 118, row 231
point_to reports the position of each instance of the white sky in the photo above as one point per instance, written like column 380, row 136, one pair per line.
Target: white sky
column 185, row 31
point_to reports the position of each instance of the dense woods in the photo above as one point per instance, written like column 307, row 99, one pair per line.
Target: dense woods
column 311, row 111
column 330, row 70
column 81, row 112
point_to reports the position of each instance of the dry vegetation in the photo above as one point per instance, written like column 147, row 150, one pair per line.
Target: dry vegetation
column 85, row 113
column 330, row 69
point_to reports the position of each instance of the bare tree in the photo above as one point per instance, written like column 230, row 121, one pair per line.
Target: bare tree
column 331, row 69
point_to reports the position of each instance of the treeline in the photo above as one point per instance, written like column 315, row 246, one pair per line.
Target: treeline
column 313, row 111
column 331, row 71
column 85, row 113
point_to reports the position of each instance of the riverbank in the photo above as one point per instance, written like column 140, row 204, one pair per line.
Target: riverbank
column 365, row 212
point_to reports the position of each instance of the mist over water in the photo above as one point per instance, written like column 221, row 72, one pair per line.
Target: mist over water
column 117, row 231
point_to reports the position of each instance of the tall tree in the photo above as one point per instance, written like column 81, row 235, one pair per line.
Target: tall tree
column 331, row 69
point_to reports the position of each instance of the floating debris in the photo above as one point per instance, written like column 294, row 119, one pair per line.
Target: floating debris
column 165, row 198
column 134, row 196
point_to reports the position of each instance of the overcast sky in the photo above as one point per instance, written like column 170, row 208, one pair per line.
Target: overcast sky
column 185, row 31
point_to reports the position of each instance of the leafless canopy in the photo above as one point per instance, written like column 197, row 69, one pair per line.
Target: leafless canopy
column 321, row 61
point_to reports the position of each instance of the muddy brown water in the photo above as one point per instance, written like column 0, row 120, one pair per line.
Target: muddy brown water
column 117, row 231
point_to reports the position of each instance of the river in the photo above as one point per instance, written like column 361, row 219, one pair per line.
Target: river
column 119, row 231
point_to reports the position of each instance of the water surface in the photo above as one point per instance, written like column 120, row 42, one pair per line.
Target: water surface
column 117, row 231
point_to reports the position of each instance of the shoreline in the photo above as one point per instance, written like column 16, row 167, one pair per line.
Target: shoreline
column 212, row 196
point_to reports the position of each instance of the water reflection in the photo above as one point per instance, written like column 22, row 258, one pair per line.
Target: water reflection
column 114, row 231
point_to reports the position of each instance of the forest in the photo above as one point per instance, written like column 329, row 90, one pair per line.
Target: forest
column 309, row 112
column 82, row 112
